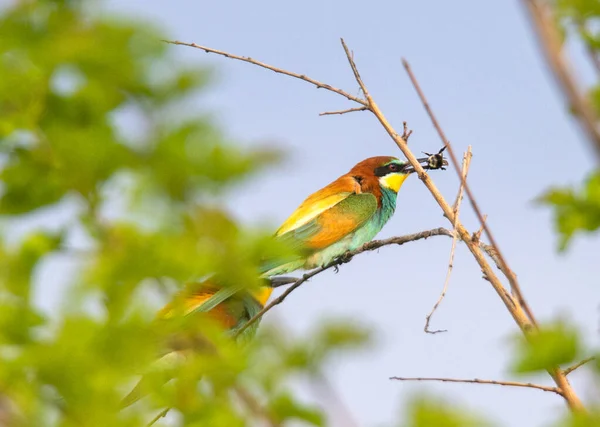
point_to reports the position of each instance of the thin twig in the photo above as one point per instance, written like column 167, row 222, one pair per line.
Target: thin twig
column 406, row 133
column 477, row 235
column 456, row 207
column 160, row 415
column 478, row 381
column 549, row 38
column 371, row 246
column 350, row 57
column 570, row 369
column 317, row 83
column 349, row 110
column 514, row 285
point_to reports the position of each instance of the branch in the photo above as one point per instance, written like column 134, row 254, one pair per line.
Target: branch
column 514, row 285
column 578, row 365
column 349, row 110
column 465, row 170
column 160, row 415
column 521, row 312
column 278, row 281
column 478, row 381
column 357, row 77
column 406, row 133
column 314, row 82
column 371, row 246
column 517, row 311
column 543, row 21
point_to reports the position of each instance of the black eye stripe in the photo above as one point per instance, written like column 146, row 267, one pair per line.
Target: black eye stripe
column 386, row 169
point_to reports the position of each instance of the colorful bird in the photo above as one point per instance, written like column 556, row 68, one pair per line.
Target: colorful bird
column 344, row 215
column 338, row 218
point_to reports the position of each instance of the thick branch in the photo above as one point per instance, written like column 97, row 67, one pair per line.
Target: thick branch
column 478, row 381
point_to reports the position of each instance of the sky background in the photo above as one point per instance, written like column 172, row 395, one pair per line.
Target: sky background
column 479, row 65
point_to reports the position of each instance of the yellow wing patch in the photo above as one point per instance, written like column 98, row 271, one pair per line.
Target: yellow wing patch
column 319, row 202
column 308, row 211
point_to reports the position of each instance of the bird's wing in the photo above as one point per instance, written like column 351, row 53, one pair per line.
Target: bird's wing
column 204, row 298
column 319, row 202
column 332, row 224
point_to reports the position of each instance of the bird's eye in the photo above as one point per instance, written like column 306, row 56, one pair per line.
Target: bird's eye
column 393, row 167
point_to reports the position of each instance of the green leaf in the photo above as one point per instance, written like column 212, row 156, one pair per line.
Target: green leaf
column 285, row 407
column 575, row 211
column 551, row 346
column 427, row 413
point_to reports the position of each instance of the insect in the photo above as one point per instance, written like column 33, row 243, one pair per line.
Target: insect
column 436, row 161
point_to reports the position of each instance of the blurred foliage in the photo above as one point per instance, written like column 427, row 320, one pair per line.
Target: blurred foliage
column 428, row 412
column 577, row 211
column 96, row 125
column 553, row 345
column 95, row 114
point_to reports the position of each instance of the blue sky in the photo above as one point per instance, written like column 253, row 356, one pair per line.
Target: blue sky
column 480, row 67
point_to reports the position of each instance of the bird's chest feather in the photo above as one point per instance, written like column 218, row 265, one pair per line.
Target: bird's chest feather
column 362, row 235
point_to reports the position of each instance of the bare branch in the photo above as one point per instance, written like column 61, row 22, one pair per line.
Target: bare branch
column 349, row 110
column 314, row 82
column 504, row 266
column 350, row 57
column 543, row 21
column 407, row 133
column 477, row 235
column 578, row 365
column 478, row 381
column 456, row 207
column 371, row 246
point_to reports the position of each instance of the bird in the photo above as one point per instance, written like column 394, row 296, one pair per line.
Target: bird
column 343, row 215
column 228, row 315
column 340, row 217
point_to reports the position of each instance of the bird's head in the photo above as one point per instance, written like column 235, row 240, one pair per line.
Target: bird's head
column 388, row 171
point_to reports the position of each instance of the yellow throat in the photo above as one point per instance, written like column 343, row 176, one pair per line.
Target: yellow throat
column 393, row 181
